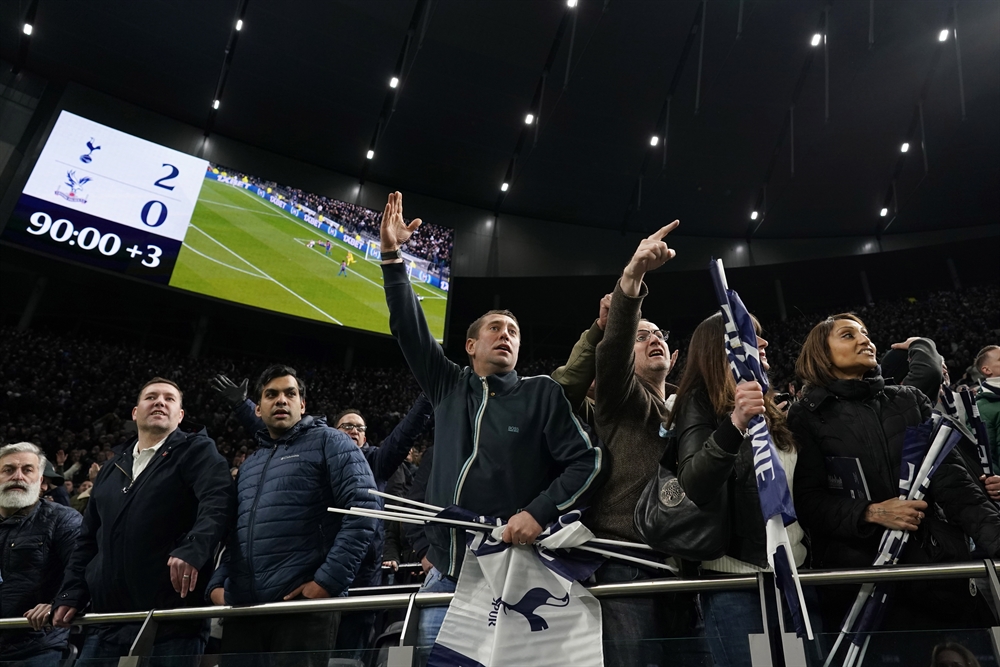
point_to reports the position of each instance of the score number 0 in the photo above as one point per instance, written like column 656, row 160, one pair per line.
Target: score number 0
column 161, row 216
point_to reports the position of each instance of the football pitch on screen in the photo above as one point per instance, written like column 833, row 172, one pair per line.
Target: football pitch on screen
column 240, row 248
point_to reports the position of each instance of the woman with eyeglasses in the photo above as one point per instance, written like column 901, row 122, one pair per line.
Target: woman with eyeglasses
column 848, row 418
column 715, row 460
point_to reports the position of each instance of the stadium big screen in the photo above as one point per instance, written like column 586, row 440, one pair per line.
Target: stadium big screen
column 110, row 200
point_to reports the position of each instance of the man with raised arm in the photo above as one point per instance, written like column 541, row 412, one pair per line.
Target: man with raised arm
column 506, row 446
column 633, row 399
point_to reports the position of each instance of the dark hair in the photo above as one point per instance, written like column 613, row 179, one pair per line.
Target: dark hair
column 344, row 413
column 981, row 357
column 814, row 362
column 707, row 368
column 278, row 371
column 159, row 380
column 474, row 328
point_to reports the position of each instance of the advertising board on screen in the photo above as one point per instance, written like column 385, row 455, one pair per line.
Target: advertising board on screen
column 107, row 199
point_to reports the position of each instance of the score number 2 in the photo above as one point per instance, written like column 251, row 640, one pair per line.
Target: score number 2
column 160, row 207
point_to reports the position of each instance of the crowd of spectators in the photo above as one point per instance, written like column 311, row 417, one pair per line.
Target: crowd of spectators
column 431, row 242
column 76, row 394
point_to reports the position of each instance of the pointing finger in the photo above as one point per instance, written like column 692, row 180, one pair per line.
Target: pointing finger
column 659, row 234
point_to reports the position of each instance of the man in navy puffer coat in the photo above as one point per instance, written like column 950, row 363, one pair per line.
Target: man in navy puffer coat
column 286, row 544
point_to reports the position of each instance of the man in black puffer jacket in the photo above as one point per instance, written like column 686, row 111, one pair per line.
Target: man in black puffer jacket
column 286, row 545
column 36, row 540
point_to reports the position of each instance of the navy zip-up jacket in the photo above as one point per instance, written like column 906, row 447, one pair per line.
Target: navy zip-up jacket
column 383, row 461
column 503, row 443
column 284, row 535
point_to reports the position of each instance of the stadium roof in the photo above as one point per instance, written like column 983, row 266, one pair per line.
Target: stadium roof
column 310, row 79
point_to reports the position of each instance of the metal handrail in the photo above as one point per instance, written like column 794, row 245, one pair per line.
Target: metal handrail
column 632, row 588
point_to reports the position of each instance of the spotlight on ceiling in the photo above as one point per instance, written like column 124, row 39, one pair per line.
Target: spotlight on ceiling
column 215, row 104
column 884, row 212
column 27, row 28
column 943, row 36
column 753, row 216
column 529, row 119
column 239, row 25
column 393, row 82
column 370, row 154
column 817, row 38
column 503, row 188
column 905, row 147
column 571, row 3
column 654, row 140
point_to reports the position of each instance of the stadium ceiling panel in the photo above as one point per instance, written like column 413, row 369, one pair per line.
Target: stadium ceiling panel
column 310, row 78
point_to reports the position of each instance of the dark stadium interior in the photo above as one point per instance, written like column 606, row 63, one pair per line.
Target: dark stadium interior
column 837, row 156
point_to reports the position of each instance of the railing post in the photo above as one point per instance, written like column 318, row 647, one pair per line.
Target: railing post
column 991, row 577
column 142, row 647
column 403, row 655
column 761, row 654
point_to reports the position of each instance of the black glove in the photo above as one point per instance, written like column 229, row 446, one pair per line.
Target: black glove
column 229, row 391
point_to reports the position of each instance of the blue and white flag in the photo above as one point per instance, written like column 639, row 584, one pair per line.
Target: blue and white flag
column 772, row 485
column 523, row 605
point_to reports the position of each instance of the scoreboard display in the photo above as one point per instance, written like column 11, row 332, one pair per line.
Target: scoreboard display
column 100, row 197
column 105, row 198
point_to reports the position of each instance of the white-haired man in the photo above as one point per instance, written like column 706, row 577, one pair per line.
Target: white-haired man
column 36, row 541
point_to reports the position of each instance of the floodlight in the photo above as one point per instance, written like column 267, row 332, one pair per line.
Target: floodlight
column 529, row 119
column 884, row 212
column 503, row 188
column 905, row 147
column 817, row 38
column 215, row 104
column 27, row 28
column 654, row 140
column 571, row 3
column 370, row 154
column 239, row 25
column 393, row 82
column 942, row 36
column 753, row 216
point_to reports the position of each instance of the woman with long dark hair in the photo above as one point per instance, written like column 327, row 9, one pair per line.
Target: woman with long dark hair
column 715, row 461
column 848, row 416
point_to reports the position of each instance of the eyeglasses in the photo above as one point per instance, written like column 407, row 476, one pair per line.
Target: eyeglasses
column 353, row 427
column 644, row 335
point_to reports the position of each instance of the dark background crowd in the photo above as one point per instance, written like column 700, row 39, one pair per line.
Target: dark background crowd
column 431, row 242
column 75, row 393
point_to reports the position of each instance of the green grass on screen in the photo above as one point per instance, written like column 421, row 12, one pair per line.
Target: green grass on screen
column 241, row 248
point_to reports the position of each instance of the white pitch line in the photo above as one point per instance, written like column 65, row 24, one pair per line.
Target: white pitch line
column 284, row 214
column 325, row 256
column 303, row 300
column 240, row 208
column 212, row 259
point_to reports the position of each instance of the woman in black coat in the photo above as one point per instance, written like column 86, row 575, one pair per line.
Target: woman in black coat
column 847, row 413
column 715, row 463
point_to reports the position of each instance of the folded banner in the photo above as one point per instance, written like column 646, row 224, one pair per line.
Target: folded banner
column 772, row 485
column 523, row 605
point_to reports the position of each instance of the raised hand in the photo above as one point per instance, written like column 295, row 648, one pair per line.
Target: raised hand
column 905, row 345
column 651, row 254
column 602, row 316
column 748, row 403
column 394, row 231
column 228, row 390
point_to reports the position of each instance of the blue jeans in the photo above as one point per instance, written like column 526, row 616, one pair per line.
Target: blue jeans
column 431, row 618
column 43, row 659
column 655, row 630
column 174, row 652
column 731, row 616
